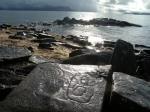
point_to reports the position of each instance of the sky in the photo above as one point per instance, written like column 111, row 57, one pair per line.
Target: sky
column 73, row 4
column 89, row 5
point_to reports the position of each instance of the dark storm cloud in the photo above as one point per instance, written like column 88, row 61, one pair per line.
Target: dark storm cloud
column 74, row 4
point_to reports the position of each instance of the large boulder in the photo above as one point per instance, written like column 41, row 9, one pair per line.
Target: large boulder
column 59, row 88
column 123, row 59
column 12, row 53
column 101, row 58
column 129, row 94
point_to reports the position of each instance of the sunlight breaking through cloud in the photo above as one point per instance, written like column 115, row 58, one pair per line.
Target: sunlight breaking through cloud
column 128, row 6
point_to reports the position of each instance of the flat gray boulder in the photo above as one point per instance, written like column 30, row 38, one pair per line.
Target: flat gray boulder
column 129, row 94
column 59, row 88
column 10, row 53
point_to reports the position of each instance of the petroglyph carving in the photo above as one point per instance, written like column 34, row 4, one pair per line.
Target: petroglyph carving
column 81, row 88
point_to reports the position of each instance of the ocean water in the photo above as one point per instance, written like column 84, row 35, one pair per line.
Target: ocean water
column 135, row 35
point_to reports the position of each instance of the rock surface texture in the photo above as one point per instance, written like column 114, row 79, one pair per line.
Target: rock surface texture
column 8, row 53
column 55, row 88
column 129, row 94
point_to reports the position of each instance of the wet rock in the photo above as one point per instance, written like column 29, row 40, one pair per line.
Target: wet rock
column 12, row 53
column 129, row 94
column 45, row 46
column 55, row 88
column 96, row 21
column 123, row 59
column 81, row 51
column 38, row 59
column 101, row 58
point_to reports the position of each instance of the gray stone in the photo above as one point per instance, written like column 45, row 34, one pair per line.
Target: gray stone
column 129, row 94
column 9, row 53
column 38, row 59
column 123, row 59
column 101, row 58
column 59, row 88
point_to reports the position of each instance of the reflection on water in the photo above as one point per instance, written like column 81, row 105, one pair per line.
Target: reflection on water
column 95, row 34
column 98, row 34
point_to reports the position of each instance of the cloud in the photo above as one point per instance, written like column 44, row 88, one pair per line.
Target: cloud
column 83, row 5
column 141, row 6
column 74, row 4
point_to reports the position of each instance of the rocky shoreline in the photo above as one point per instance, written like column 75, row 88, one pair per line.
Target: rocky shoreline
column 96, row 22
column 42, row 72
